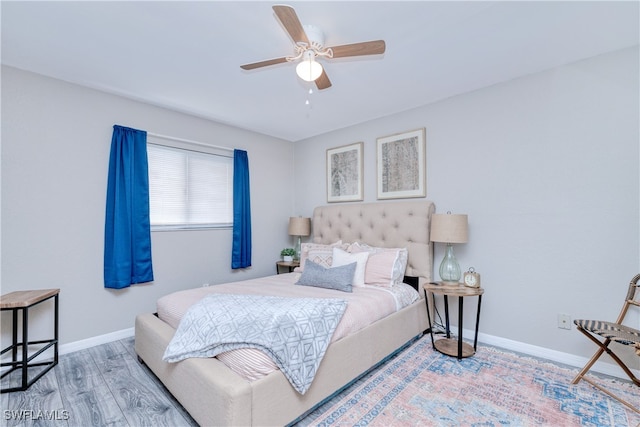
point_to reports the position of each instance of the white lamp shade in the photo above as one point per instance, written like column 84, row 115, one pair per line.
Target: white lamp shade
column 309, row 70
column 449, row 228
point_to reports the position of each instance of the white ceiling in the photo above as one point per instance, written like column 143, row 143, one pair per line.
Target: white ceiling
column 187, row 55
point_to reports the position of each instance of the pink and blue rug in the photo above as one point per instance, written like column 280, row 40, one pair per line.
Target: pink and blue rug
column 493, row 388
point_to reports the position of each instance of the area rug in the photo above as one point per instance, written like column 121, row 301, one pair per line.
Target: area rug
column 422, row 387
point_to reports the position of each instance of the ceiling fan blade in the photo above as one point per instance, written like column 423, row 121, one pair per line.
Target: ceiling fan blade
column 263, row 63
column 291, row 23
column 357, row 49
column 323, row 81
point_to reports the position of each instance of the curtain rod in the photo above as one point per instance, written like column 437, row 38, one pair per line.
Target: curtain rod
column 187, row 141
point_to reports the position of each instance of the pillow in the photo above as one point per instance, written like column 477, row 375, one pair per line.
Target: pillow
column 341, row 257
column 338, row 278
column 318, row 253
column 385, row 266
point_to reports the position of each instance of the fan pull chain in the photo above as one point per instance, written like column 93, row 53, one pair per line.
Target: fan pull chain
column 308, row 101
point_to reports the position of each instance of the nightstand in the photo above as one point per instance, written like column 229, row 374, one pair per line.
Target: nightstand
column 454, row 346
column 22, row 301
column 289, row 264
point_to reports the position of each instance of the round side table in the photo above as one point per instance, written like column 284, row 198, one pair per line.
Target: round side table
column 288, row 264
column 453, row 346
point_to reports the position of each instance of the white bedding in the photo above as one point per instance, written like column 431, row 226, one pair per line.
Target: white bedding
column 365, row 305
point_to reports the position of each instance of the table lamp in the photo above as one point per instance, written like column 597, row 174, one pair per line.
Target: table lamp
column 299, row 226
column 449, row 228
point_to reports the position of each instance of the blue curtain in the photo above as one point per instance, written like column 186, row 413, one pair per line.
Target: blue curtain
column 127, row 234
column 241, row 251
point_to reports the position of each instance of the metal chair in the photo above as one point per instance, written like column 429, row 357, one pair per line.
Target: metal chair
column 604, row 333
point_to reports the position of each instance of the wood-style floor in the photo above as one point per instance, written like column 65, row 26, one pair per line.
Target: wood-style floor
column 100, row 386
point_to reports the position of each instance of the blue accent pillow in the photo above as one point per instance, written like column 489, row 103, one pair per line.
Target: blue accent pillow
column 338, row 278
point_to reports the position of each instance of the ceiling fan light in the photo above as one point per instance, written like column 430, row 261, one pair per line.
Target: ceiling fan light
column 309, row 70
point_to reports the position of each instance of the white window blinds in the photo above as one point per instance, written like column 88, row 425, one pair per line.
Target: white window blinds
column 189, row 189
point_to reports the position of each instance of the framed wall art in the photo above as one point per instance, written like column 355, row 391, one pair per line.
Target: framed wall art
column 344, row 173
column 401, row 162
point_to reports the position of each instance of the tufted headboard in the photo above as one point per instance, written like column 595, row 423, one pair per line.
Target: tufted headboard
column 385, row 224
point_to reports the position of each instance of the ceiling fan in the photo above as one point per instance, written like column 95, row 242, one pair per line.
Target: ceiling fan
column 309, row 44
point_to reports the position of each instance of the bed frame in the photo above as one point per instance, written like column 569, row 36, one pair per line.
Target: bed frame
column 216, row 396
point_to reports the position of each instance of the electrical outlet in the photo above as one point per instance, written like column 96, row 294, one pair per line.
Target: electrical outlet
column 564, row 321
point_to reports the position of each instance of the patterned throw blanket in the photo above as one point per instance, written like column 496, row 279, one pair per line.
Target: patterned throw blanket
column 294, row 332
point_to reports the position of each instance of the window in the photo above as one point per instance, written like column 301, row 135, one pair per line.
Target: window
column 189, row 189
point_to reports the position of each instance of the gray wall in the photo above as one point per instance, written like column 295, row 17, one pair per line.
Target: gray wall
column 56, row 139
column 546, row 167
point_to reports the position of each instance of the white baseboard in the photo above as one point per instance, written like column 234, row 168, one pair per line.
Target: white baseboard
column 553, row 355
column 94, row 341
column 520, row 347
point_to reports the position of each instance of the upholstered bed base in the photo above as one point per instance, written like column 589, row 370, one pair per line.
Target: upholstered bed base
column 216, row 396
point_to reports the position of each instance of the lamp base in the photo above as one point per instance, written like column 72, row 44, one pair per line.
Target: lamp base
column 298, row 249
column 450, row 272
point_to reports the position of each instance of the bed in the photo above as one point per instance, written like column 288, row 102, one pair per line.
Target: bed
column 214, row 394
